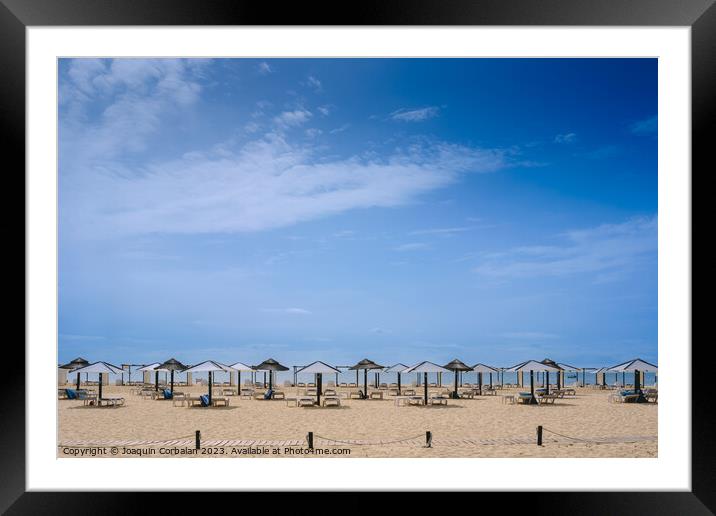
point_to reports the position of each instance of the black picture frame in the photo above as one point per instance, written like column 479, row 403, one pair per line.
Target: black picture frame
column 17, row 15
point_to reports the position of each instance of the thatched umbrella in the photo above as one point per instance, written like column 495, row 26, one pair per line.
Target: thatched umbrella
column 270, row 365
column 318, row 368
column 100, row 368
column 365, row 364
column 480, row 369
column 399, row 369
column 172, row 365
column 532, row 366
column 456, row 366
column 208, row 366
column 74, row 365
column 425, row 368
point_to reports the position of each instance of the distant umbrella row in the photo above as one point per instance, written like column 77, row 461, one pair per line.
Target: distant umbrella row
column 319, row 368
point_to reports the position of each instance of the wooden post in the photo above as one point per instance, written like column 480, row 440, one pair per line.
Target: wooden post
column 309, row 438
column 428, row 439
column 539, row 435
column 197, row 440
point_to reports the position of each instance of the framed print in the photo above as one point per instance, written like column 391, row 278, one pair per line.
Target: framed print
column 452, row 241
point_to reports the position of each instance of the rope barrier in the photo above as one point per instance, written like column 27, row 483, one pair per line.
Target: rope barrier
column 380, row 443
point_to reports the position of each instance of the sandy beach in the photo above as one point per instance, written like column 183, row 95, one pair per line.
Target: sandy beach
column 480, row 427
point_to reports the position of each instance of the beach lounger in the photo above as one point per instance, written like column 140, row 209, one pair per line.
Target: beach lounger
column 306, row 401
column 466, row 394
column 409, row 392
column 393, row 392
column 344, row 384
column 416, row 400
column 383, row 386
column 329, row 393
column 331, row 401
column 376, row 395
column 524, row 398
column 247, row 393
column 278, row 395
column 301, row 384
column 220, row 401
column 259, row 395
column 355, row 395
column 311, row 392
column 438, row 400
column 547, row 398
column 352, row 384
column 311, row 384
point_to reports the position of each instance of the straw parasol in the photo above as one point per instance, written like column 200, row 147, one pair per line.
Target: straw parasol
column 172, row 365
column 635, row 366
column 365, row 364
column 318, row 368
column 480, row 369
column 399, row 369
column 208, row 366
column 425, row 368
column 532, row 366
column 457, row 366
column 240, row 366
column 271, row 366
column 76, row 364
column 100, row 368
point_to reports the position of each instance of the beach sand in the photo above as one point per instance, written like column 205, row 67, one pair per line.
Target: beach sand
column 459, row 429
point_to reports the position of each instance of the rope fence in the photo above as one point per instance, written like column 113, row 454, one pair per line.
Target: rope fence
column 311, row 440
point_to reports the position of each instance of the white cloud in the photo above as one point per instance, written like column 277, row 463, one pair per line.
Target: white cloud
column 415, row 115
column 441, row 231
column 609, row 248
column 412, row 246
column 291, row 311
column 324, row 110
column 292, row 118
column 265, row 68
column 565, row 138
column 314, row 83
column 646, row 126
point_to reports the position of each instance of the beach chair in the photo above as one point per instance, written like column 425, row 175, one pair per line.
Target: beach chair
column 259, row 395
column 545, row 399
column 352, row 384
column 220, row 401
column 355, row 395
column 247, row 393
column 409, row 392
column 311, row 392
column 311, row 384
column 383, row 386
column 376, row 395
column 278, row 395
column 301, row 384
column 438, row 400
column 329, row 393
column 466, row 394
column 306, row 401
column 524, row 398
column 331, row 401
column 344, row 384
column 393, row 392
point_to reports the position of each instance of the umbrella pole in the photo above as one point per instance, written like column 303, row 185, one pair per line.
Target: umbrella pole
column 365, row 384
column 210, row 379
column 156, row 380
column 546, row 381
column 425, row 381
column 100, row 387
column 532, row 387
column 490, row 380
column 319, row 384
column 398, row 384
column 172, row 382
column 78, row 381
column 455, row 393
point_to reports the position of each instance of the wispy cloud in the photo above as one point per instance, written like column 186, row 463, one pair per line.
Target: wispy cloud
column 529, row 335
column 313, row 83
column 440, row 231
column 265, row 68
column 609, row 248
column 290, row 311
column 292, row 118
column 646, row 126
column 565, row 138
column 340, row 129
column 415, row 115
column 412, row 246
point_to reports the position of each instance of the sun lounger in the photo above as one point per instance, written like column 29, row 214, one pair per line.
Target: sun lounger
column 344, row 384
column 306, row 401
column 331, row 401
column 311, row 384
column 393, row 392
column 355, row 395
column 220, row 401
column 547, row 398
column 376, row 395
column 438, row 400
column 409, row 392
column 278, row 395
column 311, row 392
column 259, row 395
column 467, row 394
column 416, row 400
column 230, row 391
column 247, row 393
column 329, row 393
column 301, row 384
column 524, row 397
column 383, row 386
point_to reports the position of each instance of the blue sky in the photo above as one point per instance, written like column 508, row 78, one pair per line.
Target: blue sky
column 494, row 210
